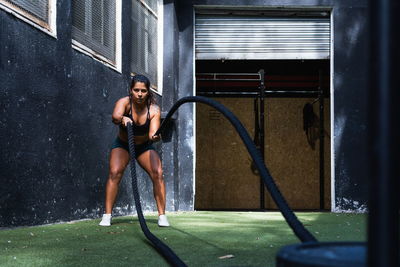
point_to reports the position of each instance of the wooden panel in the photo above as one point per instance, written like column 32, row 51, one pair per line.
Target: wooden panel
column 327, row 150
column 292, row 161
column 224, row 179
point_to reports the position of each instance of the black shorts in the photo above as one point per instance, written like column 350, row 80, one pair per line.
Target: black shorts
column 139, row 149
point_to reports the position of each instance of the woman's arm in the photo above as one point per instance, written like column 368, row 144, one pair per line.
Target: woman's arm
column 119, row 110
column 154, row 122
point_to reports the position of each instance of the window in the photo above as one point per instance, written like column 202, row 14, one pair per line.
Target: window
column 145, row 39
column 94, row 28
column 39, row 13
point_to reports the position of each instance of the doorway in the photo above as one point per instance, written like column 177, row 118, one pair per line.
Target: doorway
column 225, row 179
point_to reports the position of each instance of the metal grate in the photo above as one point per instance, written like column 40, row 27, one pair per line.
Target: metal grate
column 38, row 8
column 144, row 38
column 261, row 37
column 93, row 25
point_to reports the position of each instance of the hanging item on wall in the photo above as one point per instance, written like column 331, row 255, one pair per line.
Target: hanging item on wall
column 310, row 124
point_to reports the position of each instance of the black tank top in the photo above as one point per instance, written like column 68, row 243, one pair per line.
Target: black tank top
column 140, row 130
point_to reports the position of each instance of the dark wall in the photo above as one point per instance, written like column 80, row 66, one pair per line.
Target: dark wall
column 178, row 151
column 349, row 64
column 56, row 106
column 171, row 78
column 56, row 128
column 350, row 107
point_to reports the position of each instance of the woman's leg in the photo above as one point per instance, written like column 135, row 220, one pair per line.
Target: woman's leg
column 151, row 163
column 119, row 159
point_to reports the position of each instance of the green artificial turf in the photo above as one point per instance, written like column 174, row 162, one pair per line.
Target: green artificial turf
column 198, row 238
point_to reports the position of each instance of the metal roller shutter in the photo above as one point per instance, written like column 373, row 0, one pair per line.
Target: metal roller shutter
column 259, row 37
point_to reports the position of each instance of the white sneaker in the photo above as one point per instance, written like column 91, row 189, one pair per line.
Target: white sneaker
column 163, row 221
column 106, row 220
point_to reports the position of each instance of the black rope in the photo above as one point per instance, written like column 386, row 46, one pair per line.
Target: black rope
column 298, row 228
column 168, row 254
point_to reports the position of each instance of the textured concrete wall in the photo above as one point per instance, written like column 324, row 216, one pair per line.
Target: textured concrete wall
column 56, row 128
column 55, row 106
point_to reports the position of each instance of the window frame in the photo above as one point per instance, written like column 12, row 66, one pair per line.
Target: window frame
column 117, row 65
column 160, row 48
column 49, row 27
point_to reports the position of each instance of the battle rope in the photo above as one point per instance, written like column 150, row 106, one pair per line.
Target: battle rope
column 168, row 254
column 298, row 228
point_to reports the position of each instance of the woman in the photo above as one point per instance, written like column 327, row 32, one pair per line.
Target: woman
column 138, row 108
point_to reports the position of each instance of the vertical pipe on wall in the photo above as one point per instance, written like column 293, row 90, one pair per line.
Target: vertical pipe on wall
column 262, row 134
column 384, row 134
column 321, row 143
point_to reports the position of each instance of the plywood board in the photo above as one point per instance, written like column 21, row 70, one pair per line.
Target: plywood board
column 292, row 161
column 224, row 179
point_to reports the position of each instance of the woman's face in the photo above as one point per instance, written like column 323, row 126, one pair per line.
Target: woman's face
column 139, row 92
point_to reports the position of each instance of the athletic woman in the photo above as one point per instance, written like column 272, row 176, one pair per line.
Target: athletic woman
column 138, row 108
